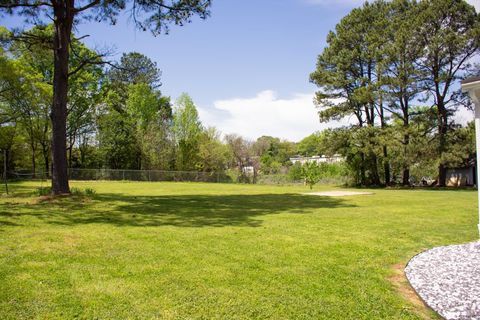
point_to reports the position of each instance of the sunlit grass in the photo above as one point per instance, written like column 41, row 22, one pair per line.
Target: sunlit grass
column 224, row 251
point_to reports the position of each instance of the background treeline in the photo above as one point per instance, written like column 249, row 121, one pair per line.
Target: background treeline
column 393, row 69
column 119, row 119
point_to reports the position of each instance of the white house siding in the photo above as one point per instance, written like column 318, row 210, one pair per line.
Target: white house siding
column 318, row 159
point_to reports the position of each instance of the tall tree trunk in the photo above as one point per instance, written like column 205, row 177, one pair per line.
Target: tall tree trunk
column 406, row 142
column 442, row 143
column 82, row 150
column 46, row 160
column 375, row 175
column 70, row 156
column 363, row 179
column 386, row 163
column 63, row 27
column 386, row 166
column 34, row 167
column 47, row 165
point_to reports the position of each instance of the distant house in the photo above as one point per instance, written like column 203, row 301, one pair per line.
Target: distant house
column 462, row 176
column 318, row 159
column 248, row 170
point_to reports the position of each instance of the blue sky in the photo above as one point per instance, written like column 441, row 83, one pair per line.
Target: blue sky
column 244, row 47
column 246, row 67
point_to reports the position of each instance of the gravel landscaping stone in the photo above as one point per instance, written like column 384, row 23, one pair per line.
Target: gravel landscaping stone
column 448, row 280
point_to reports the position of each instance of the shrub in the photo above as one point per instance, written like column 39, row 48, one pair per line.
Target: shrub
column 76, row 191
column 312, row 173
column 295, row 172
column 43, row 191
column 90, row 192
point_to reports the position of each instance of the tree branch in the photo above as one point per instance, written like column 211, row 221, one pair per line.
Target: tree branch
column 88, row 6
column 24, row 5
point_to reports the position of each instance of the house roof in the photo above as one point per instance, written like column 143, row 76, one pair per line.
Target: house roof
column 470, row 80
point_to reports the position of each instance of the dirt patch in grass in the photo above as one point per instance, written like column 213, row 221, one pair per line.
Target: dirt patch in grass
column 57, row 199
column 400, row 282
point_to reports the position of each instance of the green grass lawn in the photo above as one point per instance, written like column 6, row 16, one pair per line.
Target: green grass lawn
column 218, row 251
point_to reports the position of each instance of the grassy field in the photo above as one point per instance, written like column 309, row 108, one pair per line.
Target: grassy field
column 219, row 251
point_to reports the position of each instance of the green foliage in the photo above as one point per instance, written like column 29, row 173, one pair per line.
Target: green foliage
column 90, row 192
column 461, row 142
column 117, row 141
column 43, row 191
column 380, row 59
column 274, row 154
column 311, row 173
column 135, row 68
column 213, row 155
column 274, row 179
column 187, row 130
column 134, row 128
column 75, row 191
column 145, row 104
column 295, row 172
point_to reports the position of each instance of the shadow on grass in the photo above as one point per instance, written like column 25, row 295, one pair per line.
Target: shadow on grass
column 180, row 211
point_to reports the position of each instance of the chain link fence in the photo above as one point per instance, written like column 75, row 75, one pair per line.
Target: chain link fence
column 128, row 175
column 147, row 175
column 27, row 175
column 161, row 175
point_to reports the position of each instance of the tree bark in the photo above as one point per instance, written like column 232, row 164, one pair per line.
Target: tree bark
column 386, row 163
column 70, row 156
column 34, row 169
column 406, row 142
column 375, row 177
column 46, row 160
column 386, row 166
column 442, row 132
column 63, row 28
column 363, row 180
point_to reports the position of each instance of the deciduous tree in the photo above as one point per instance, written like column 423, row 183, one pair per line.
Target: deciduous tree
column 155, row 16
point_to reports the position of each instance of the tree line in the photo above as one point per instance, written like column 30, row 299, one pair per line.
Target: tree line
column 392, row 68
column 117, row 118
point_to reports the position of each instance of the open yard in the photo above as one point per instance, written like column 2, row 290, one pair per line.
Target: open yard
column 221, row 251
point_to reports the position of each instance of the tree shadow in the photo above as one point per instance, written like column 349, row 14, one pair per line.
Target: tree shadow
column 178, row 210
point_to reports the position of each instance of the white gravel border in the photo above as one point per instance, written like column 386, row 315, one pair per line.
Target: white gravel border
column 337, row 193
column 448, row 280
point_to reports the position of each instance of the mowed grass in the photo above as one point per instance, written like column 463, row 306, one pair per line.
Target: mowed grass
column 218, row 251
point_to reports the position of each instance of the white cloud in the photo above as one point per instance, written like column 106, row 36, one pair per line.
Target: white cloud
column 265, row 114
column 463, row 116
column 475, row 3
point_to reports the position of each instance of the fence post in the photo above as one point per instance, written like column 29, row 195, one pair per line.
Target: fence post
column 123, row 174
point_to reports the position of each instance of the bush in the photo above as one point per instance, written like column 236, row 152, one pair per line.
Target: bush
column 43, row 191
column 295, row 172
column 274, row 179
column 90, row 192
column 311, row 172
column 76, row 191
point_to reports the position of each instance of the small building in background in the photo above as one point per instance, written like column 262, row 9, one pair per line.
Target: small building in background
column 318, row 159
column 462, row 176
